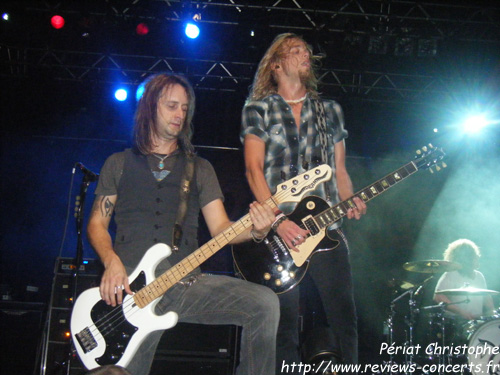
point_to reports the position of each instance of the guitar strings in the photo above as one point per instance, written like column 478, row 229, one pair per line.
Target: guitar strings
column 110, row 321
column 113, row 319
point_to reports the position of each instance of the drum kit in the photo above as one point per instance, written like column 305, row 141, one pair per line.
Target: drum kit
column 447, row 341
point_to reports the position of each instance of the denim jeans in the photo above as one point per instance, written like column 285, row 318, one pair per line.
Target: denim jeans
column 331, row 273
column 214, row 299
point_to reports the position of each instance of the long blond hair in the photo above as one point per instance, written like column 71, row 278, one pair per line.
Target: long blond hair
column 265, row 83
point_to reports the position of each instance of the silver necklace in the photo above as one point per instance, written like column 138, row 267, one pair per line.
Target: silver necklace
column 161, row 164
column 296, row 101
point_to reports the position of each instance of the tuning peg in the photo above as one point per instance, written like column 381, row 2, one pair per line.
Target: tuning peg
column 430, row 145
column 444, row 165
column 418, row 152
column 424, row 148
column 438, row 168
column 431, row 170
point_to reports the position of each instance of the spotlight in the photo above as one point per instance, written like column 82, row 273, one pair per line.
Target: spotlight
column 121, row 95
column 57, row 22
column 142, row 29
column 192, row 31
column 140, row 91
column 475, row 124
column 5, row 16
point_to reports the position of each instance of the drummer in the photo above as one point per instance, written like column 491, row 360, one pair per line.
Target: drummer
column 466, row 253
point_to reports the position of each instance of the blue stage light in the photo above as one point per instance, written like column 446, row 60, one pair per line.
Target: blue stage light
column 192, row 31
column 140, row 91
column 121, row 95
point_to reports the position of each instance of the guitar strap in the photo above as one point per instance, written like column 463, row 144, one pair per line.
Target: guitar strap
column 321, row 127
column 185, row 188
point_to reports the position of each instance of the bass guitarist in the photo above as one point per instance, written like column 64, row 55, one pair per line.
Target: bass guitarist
column 287, row 129
column 155, row 191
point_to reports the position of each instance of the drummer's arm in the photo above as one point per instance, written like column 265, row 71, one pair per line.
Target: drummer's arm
column 441, row 298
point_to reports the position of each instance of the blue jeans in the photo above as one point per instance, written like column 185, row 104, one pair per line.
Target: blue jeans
column 214, row 299
column 331, row 273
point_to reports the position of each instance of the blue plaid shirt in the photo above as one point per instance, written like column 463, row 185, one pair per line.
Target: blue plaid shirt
column 290, row 151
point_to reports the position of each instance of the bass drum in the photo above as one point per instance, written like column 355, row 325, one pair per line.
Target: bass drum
column 485, row 358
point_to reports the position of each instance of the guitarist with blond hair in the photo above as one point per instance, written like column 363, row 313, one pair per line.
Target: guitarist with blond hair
column 286, row 130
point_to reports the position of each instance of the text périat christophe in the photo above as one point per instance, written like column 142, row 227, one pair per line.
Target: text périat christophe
column 437, row 349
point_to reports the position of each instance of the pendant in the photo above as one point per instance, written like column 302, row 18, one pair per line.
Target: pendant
column 160, row 175
column 161, row 165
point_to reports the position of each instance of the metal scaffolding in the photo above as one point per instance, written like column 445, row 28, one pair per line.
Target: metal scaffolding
column 375, row 49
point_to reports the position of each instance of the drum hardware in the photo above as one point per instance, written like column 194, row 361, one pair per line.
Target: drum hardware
column 467, row 291
column 446, row 335
column 440, row 315
column 431, row 266
column 410, row 320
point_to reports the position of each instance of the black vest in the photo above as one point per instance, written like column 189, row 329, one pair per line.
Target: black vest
column 146, row 211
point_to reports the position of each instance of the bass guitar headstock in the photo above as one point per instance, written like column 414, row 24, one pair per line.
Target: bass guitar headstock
column 295, row 188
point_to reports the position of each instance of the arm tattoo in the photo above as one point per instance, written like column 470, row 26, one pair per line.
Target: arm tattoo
column 105, row 206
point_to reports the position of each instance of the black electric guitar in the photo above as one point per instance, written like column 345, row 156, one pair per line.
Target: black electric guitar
column 272, row 264
column 106, row 335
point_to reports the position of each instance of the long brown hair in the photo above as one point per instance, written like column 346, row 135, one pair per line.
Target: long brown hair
column 264, row 83
column 145, row 128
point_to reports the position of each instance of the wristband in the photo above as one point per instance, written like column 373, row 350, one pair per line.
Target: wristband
column 279, row 219
column 255, row 238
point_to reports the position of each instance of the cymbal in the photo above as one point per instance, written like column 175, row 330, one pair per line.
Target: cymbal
column 431, row 266
column 467, row 291
column 403, row 284
column 406, row 285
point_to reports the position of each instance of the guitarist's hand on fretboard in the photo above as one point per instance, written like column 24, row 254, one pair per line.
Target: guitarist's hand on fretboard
column 262, row 218
column 357, row 211
column 292, row 234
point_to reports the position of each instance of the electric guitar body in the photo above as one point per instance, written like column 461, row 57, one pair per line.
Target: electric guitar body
column 111, row 335
column 273, row 264
column 270, row 262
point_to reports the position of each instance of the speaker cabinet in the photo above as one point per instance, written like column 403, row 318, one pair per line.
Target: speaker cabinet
column 21, row 326
column 197, row 348
column 57, row 354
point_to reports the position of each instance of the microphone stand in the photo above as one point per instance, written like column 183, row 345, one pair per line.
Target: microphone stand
column 79, row 227
column 79, row 215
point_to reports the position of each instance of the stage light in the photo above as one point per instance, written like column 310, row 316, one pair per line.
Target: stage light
column 5, row 16
column 427, row 48
column 404, row 47
column 378, row 45
column 121, row 95
column 140, row 91
column 475, row 124
column 192, row 31
column 142, row 29
column 57, row 22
